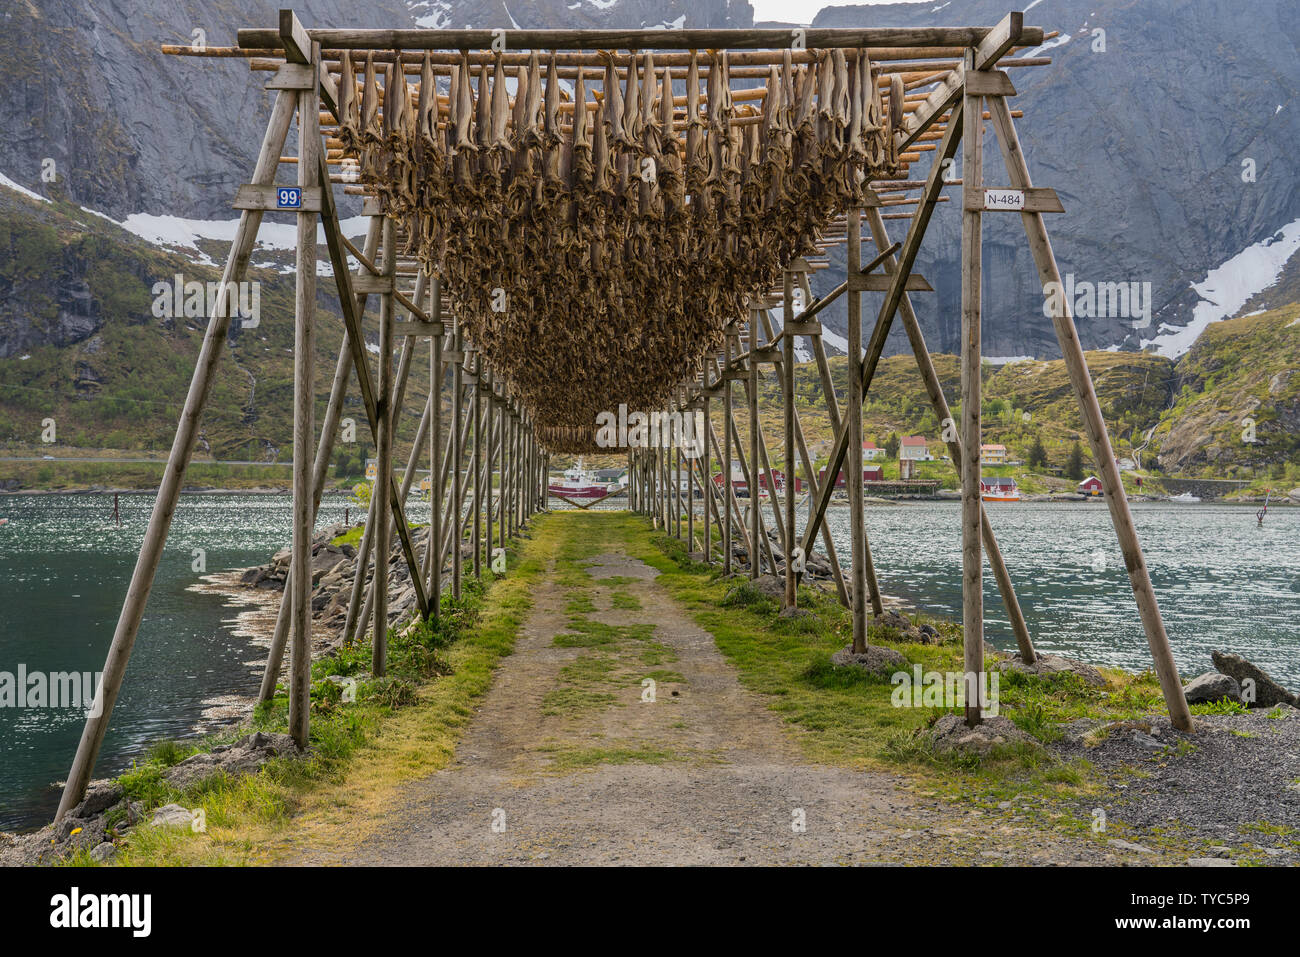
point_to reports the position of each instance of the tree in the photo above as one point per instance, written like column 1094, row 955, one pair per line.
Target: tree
column 1037, row 454
column 1074, row 465
column 891, row 445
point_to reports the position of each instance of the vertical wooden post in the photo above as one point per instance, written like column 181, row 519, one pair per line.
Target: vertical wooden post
column 491, row 463
column 1095, row 425
column 507, row 464
column 787, row 370
column 971, row 397
column 304, row 415
column 754, row 516
column 457, row 457
column 728, row 487
column 690, row 485
column 853, row 425
column 706, row 474
column 384, row 455
column 476, row 407
column 435, row 470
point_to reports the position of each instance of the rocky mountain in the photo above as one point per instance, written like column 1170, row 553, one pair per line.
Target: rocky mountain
column 1167, row 127
column 1144, row 124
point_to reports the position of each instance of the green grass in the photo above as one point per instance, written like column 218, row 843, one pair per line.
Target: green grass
column 405, row 723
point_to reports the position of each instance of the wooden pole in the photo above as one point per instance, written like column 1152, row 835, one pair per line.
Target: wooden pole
column 853, row 428
column 151, row 549
column 728, row 488
column 787, row 401
column 457, row 457
column 972, row 589
column 706, row 467
column 754, row 427
column 476, row 407
column 304, row 417
column 1095, row 425
column 384, row 454
column 436, row 484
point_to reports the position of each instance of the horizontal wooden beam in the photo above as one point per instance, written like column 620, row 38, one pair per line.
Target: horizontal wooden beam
column 752, row 39
column 992, row 199
column 269, row 198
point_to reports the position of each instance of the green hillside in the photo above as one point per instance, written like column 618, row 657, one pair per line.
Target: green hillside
column 114, row 377
column 1241, row 380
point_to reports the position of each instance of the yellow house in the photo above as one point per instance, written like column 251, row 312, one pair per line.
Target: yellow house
column 993, row 455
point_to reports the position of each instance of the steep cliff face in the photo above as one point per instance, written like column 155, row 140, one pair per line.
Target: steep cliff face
column 1145, row 130
column 1145, row 142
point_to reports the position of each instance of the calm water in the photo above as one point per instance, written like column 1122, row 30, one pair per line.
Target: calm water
column 1222, row 583
column 64, row 568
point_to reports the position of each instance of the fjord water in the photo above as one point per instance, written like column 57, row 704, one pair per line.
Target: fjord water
column 1222, row 582
column 64, row 570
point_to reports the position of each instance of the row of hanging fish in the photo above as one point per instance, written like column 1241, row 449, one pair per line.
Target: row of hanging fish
column 596, row 235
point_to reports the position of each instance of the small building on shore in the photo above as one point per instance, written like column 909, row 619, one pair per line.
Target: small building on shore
column 993, row 454
column 914, row 447
column 870, row 473
column 1091, row 486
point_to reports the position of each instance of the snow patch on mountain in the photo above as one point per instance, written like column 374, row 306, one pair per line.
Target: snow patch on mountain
column 1227, row 288
column 6, row 182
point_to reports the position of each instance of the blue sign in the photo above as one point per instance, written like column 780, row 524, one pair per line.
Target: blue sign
column 288, row 197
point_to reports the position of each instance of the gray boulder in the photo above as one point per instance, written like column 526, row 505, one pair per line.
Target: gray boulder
column 1258, row 689
column 171, row 815
column 1048, row 666
column 877, row 659
column 1212, row 686
column 243, row 757
column 100, row 796
column 950, row 733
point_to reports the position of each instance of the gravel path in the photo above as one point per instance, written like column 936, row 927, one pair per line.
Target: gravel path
column 560, row 767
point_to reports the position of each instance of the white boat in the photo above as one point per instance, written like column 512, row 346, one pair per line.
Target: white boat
column 1187, row 498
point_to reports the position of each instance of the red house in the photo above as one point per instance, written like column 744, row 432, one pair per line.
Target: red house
column 870, row 473
column 1090, row 486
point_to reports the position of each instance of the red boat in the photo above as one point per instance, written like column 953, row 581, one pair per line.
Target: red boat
column 579, row 483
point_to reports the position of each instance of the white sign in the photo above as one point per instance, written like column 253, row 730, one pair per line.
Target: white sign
column 1004, row 199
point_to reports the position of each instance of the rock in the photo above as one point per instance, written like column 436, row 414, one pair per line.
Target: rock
column 1212, row 686
column 950, row 733
column 171, row 815
column 877, row 659
column 100, row 796
column 1147, row 741
column 1129, row 846
column 1209, row 862
column 771, row 585
column 1048, row 666
column 103, row 852
column 929, row 634
column 243, row 757
column 1266, row 692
